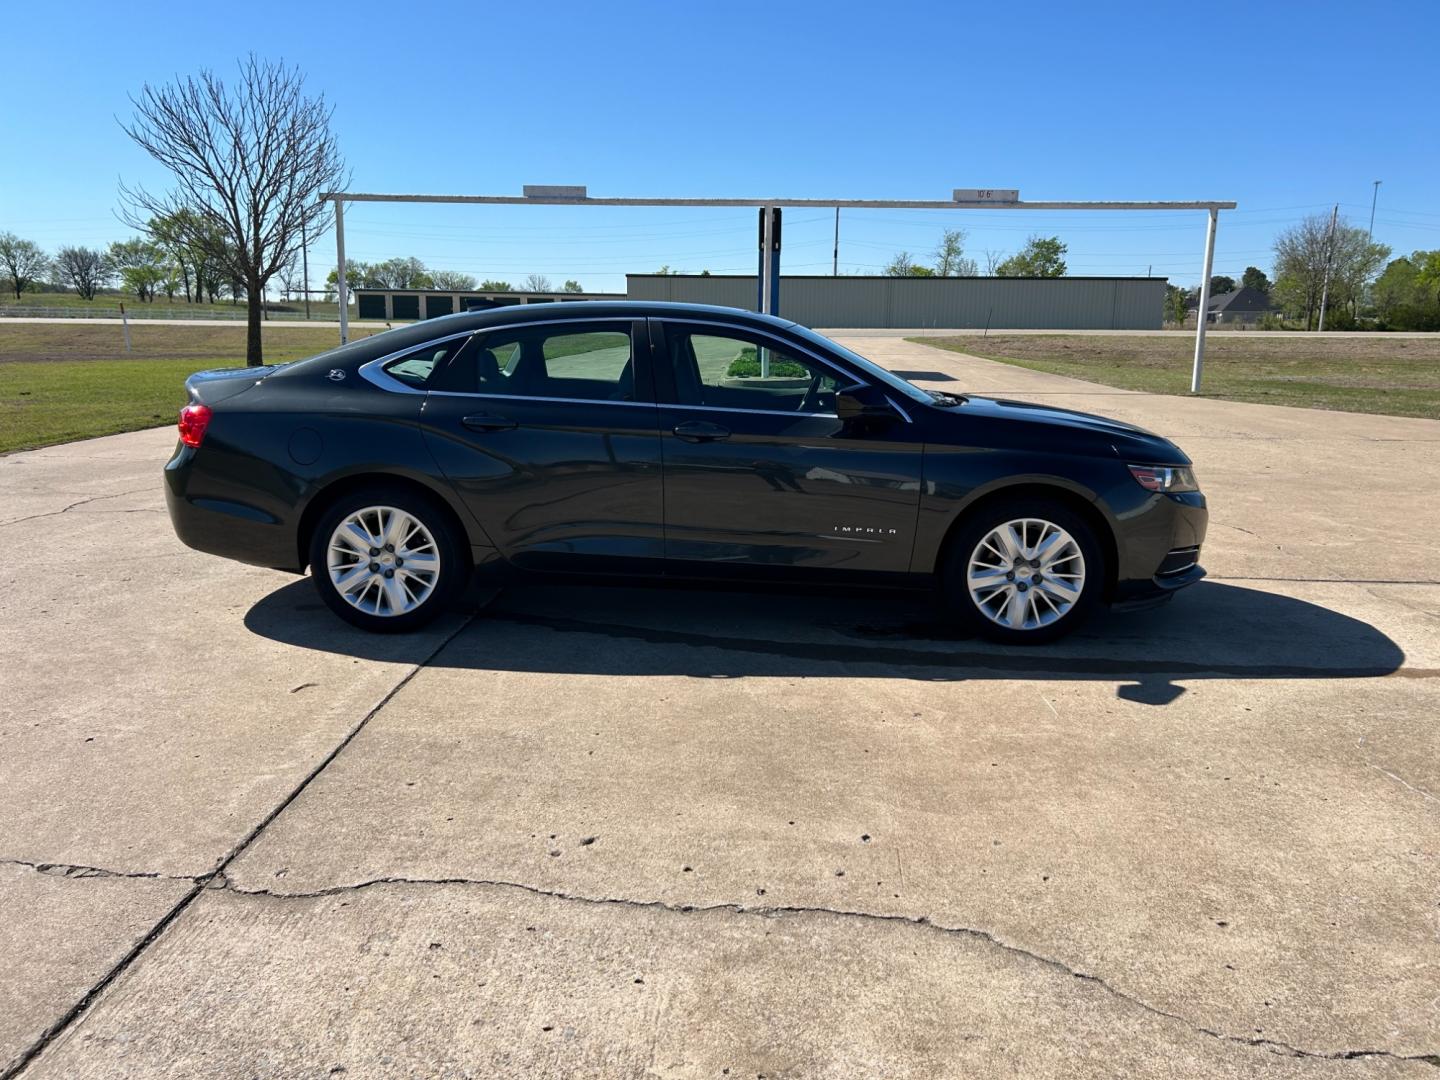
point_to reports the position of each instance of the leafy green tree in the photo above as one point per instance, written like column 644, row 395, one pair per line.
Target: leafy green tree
column 1254, row 278
column 1220, row 285
column 141, row 265
column 356, row 274
column 1405, row 296
column 453, row 280
column 489, row 285
column 571, row 286
column 1042, row 256
column 23, row 261
column 1427, row 265
column 950, row 259
column 1176, row 305
column 397, row 273
column 1304, row 252
column 83, row 269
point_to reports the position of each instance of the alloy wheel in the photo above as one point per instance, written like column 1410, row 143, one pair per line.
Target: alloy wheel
column 383, row 561
column 1025, row 574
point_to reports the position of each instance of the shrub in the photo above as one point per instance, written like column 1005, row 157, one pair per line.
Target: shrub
column 747, row 366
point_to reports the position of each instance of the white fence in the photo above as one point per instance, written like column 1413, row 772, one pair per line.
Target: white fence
column 140, row 312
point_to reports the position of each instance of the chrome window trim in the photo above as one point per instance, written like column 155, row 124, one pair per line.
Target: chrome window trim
column 533, row 397
column 754, row 412
column 899, row 408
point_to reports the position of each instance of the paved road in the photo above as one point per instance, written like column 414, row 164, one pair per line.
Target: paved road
column 625, row 832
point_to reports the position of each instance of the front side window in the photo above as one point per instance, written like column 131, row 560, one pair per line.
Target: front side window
column 587, row 361
column 725, row 370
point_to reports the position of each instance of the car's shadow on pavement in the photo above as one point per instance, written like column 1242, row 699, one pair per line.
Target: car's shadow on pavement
column 1212, row 630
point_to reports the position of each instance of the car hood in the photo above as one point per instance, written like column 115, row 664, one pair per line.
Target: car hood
column 1095, row 432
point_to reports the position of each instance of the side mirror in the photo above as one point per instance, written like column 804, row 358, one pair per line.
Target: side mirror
column 865, row 407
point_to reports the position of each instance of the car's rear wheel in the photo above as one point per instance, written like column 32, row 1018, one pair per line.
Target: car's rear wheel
column 386, row 559
column 1023, row 572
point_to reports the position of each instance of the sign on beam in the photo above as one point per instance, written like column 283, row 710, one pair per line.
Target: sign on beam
column 1001, row 195
column 554, row 191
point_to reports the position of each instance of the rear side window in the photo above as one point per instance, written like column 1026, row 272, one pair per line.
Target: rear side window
column 416, row 368
column 577, row 361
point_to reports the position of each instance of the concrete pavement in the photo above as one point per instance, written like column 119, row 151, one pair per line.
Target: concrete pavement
column 634, row 832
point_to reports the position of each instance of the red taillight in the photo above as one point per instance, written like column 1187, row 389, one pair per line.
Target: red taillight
column 194, row 419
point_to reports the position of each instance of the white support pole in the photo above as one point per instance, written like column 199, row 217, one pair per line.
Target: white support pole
column 341, row 292
column 1202, row 314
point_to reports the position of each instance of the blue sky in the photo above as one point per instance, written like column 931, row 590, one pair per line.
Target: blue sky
column 1285, row 108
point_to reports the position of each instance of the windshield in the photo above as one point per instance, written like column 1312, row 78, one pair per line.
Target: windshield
column 874, row 370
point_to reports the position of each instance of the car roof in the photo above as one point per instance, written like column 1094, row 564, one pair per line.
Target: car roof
column 602, row 309
column 412, row 335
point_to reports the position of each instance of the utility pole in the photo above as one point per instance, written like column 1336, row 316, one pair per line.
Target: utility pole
column 1329, row 252
column 305, row 266
column 835, row 264
column 1374, row 198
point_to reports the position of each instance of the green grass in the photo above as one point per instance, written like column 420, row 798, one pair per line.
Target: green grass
column 1388, row 375
column 64, row 381
column 43, row 404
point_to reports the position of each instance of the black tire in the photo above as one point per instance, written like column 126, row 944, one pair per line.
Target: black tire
column 448, row 582
column 962, row 606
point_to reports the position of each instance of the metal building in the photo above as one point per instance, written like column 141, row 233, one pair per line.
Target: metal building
column 409, row 305
column 1066, row 303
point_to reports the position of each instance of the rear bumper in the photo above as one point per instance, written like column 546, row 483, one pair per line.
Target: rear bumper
column 223, row 526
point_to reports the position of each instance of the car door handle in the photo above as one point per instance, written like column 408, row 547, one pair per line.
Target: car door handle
column 488, row 423
column 701, row 431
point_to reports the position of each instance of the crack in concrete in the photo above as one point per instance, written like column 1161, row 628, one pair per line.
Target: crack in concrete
column 212, row 879
column 1274, row 1046
column 79, row 870
column 72, row 506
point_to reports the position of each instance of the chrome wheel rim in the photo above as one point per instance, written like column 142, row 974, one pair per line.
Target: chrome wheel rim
column 383, row 561
column 1026, row 574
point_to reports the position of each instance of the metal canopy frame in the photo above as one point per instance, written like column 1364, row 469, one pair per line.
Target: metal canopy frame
column 1212, row 206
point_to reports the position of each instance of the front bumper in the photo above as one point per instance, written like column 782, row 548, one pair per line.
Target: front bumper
column 1160, row 589
column 1159, row 549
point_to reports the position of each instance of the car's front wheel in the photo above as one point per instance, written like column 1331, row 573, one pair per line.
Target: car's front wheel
column 1024, row 572
column 386, row 560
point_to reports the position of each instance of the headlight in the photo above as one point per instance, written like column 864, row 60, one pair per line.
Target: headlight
column 1165, row 478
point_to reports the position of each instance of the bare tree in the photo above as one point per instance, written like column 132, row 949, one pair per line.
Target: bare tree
column 993, row 259
column 536, row 283
column 23, row 261
column 249, row 162
column 83, row 269
column 290, row 275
